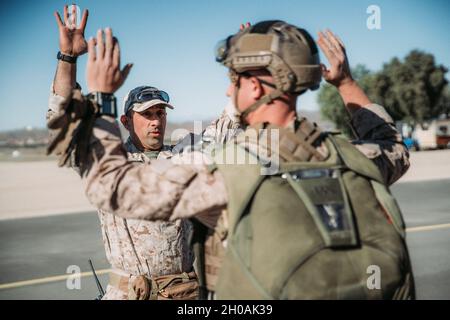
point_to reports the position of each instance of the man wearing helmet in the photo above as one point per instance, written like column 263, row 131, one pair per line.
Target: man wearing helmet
column 278, row 72
column 309, row 229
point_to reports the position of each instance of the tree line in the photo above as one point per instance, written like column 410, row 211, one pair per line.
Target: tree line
column 413, row 90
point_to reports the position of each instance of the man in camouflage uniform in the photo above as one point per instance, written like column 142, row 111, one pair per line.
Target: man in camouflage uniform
column 133, row 248
column 186, row 186
column 141, row 248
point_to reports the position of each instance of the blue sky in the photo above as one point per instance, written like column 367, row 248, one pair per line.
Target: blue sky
column 171, row 44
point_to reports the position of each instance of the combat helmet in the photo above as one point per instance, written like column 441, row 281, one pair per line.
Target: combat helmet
column 287, row 52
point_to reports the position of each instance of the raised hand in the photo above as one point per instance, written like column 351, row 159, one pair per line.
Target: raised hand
column 334, row 49
column 103, row 67
column 71, row 37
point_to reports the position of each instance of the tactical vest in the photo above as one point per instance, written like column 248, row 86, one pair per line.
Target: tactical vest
column 317, row 229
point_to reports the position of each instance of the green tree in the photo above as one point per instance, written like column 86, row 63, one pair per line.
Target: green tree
column 413, row 90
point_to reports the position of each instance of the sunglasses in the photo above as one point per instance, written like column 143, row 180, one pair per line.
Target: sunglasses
column 144, row 94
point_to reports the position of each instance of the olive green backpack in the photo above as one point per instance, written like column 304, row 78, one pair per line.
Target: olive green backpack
column 315, row 230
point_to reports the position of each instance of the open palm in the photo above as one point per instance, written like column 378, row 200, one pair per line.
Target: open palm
column 71, row 38
column 334, row 49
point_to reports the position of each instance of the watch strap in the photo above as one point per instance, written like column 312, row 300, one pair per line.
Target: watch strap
column 66, row 58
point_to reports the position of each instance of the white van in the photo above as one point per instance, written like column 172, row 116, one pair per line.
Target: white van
column 433, row 134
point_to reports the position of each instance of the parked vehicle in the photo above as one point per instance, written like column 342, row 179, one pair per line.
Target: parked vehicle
column 434, row 134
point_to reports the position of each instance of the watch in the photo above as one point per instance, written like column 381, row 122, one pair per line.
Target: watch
column 66, row 58
column 106, row 102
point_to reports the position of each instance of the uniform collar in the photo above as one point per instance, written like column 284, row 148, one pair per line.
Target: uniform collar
column 137, row 155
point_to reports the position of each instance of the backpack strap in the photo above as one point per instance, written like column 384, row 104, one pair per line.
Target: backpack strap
column 355, row 160
column 389, row 206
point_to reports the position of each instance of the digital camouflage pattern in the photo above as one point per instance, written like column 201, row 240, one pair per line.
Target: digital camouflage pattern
column 223, row 128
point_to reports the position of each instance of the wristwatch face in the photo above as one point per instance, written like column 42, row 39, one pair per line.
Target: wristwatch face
column 106, row 107
column 106, row 103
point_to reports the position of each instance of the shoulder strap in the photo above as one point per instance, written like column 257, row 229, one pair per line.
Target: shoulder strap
column 390, row 206
column 354, row 159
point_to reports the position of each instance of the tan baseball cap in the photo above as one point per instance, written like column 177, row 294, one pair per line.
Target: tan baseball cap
column 141, row 98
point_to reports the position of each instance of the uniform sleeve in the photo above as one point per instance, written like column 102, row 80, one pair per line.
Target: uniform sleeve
column 223, row 128
column 166, row 189
column 56, row 105
column 379, row 140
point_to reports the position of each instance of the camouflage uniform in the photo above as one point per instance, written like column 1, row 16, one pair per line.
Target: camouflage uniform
column 185, row 186
column 136, row 247
column 224, row 128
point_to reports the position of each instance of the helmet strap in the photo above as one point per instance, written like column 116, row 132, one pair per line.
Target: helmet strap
column 266, row 99
column 236, row 94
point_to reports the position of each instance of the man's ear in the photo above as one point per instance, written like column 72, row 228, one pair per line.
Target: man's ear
column 124, row 120
column 257, row 90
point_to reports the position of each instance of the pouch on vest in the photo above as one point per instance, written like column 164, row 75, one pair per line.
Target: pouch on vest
column 323, row 193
